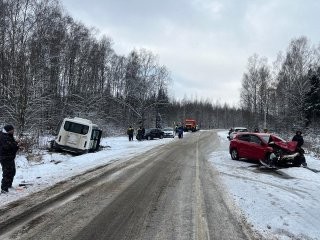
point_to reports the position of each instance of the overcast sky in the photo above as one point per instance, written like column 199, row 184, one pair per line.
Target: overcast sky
column 204, row 43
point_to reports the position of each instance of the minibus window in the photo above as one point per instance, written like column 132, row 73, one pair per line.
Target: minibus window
column 95, row 135
column 76, row 127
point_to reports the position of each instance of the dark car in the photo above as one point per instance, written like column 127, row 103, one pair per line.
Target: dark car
column 152, row 133
column 253, row 146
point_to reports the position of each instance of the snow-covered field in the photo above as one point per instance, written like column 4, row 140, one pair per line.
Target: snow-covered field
column 283, row 205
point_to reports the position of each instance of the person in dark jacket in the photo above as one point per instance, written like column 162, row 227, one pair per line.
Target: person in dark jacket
column 180, row 132
column 139, row 134
column 8, row 150
column 130, row 133
column 299, row 139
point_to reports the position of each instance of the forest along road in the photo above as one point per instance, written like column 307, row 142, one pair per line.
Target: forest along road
column 169, row 192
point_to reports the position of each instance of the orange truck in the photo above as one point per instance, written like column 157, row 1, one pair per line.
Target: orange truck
column 190, row 125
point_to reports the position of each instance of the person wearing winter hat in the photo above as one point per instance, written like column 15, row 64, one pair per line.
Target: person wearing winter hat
column 299, row 139
column 8, row 128
column 8, row 150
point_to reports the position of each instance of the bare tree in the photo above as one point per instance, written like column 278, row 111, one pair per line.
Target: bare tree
column 292, row 81
column 254, row 91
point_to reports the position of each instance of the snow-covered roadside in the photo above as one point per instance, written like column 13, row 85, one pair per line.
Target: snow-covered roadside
column 56, row 167
column 279, row 206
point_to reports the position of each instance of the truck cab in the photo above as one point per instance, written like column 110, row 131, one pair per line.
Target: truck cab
column 190, row 125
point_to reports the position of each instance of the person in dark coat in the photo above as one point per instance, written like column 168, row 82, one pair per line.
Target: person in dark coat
column 130, row 133
column 8, row 150
column 180, row 132
column 139, row 134
column 299, row 139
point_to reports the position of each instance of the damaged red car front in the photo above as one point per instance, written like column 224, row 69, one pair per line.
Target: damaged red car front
column 263, row 147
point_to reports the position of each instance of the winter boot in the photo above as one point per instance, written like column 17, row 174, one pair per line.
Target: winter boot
column 4, row 191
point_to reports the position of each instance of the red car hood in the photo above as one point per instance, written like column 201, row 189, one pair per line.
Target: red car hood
column 289, row 146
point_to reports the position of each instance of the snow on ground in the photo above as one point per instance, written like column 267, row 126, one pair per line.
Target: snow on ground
column 282, row 204
column 56, row 167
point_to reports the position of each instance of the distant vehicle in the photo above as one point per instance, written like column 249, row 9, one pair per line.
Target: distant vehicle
column 169, row 132
column 235, row 131
column 190, row 125
column 77, row 135
column 152, row 133
column 267, row 148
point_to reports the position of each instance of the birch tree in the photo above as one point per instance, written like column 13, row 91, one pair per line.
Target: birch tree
column 254, row 91
column 293, row 84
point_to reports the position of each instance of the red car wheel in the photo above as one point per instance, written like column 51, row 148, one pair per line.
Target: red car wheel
column 234, row 154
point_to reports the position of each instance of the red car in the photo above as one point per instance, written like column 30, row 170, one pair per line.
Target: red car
column 256, row 146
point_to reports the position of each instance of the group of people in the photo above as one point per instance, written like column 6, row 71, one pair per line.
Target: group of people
column 140, row 133
column 8, row 150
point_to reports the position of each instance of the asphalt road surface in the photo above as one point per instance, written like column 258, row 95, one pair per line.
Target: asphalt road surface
column 170, row 192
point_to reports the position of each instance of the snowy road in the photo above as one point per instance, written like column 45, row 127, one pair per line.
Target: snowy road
column 170, row 192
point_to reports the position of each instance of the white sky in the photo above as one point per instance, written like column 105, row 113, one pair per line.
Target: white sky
column 204, row 43
column 276, row 207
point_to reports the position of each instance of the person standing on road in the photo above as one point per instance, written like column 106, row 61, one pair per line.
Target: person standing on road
column 180, row 132
column 130, row 133
column 139, row 134
column 8, row 150
column 299, row 139
column 177, row 128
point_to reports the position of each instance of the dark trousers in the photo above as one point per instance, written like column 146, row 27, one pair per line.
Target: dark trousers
column 8, row 173
column 130, row 137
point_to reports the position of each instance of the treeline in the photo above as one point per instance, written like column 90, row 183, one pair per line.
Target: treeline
column 53, row 67
column 285, row 95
